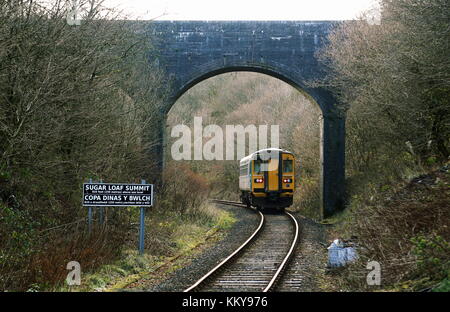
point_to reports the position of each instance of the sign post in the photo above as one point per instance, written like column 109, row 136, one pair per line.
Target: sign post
column 119, row 195
column 90, row 215
column 142, row 228
column 101, row 211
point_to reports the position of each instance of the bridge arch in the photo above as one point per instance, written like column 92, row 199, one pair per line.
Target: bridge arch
column 275, row 70
column 190, row 52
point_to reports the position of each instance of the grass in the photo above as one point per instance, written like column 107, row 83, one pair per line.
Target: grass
column 180, row 236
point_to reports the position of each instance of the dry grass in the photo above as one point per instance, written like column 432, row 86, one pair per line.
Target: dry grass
column 46, row 267
column 407, row 231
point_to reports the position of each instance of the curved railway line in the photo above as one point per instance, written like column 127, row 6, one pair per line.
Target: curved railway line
column 258, row 264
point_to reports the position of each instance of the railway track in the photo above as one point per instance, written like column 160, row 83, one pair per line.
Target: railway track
column 256, row 265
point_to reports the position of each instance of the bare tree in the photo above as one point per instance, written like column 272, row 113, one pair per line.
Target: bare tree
column 395, row 80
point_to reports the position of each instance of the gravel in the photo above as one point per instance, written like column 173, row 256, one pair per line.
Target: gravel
column 309, row 261
column 247, row 221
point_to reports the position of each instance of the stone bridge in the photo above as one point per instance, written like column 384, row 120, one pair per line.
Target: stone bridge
column 192, row 51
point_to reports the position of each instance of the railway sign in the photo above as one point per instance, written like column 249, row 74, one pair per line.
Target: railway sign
column 117, row 195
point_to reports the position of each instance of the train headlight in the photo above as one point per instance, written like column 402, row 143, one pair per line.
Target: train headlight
column 259, row 180
column 287, row 180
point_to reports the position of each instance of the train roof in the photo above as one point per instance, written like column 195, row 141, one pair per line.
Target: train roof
column 252, row 156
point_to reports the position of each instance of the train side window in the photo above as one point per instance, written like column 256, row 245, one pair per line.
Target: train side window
column 244, row 170
column 287, row 165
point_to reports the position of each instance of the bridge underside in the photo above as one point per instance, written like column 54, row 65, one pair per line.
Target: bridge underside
column 190, row 52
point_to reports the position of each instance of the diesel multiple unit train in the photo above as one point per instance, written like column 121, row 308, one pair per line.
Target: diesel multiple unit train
column 266, row 179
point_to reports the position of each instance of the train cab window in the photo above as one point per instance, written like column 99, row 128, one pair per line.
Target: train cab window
column 257, row 166
column 287, row 165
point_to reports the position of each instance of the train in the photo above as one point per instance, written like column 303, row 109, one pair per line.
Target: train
column 267, row 179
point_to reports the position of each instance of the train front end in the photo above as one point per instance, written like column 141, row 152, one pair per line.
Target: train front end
column 267, row 179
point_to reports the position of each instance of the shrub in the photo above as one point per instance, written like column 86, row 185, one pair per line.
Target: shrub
column 183, row 191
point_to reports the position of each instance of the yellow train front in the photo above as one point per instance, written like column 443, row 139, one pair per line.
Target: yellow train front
column 266, row 179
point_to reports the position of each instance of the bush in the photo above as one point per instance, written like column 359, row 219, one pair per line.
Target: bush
column 432, row 253
column 183, row 191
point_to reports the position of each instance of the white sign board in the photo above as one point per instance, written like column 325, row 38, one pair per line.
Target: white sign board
column 117, row 194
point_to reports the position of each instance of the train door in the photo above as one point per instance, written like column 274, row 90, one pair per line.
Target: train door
column 273, row 175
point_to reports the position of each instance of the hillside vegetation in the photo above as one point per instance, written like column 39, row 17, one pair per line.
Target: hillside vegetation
column 393, row 78
column 253, row 99
column 68, row 112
